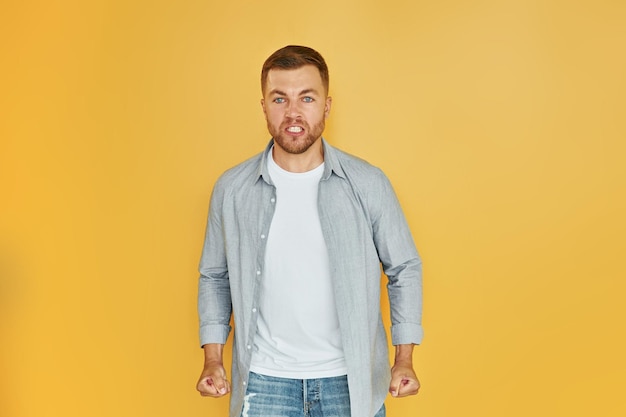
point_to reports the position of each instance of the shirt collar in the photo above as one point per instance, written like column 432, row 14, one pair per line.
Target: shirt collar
column 331, row 163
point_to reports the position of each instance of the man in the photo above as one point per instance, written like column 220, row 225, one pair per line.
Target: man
column 294, row 243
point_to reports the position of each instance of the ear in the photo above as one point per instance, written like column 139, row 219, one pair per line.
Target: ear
column 329, row 102
column 263, row 106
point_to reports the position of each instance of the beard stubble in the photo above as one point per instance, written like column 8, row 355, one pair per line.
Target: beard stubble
column 298, row 145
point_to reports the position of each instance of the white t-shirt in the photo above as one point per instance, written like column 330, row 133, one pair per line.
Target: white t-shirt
column 298, row 330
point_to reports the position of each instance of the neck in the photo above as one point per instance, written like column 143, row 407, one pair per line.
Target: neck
column 303, row 162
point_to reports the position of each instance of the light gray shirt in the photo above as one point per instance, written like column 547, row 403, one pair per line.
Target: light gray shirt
column 363, row 226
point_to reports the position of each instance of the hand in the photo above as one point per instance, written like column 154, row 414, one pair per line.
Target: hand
column 404, row 382
column 213, row 382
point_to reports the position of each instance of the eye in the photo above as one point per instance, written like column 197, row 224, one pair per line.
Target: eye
column 308, row 99
column 279, row 100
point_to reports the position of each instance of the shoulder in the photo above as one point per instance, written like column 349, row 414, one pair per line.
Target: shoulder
column 242, row 174
column 359, row 171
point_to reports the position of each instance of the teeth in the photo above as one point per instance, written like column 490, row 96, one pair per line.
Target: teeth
column 294, row 129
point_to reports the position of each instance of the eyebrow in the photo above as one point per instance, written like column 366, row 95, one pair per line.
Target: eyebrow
column 303, row 92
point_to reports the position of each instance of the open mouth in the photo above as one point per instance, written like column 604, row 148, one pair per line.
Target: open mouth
column 295, row 129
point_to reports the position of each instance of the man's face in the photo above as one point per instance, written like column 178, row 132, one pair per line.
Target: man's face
column 296, row 105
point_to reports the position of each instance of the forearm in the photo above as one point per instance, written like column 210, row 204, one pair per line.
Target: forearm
column 404, row 355
column 213, row 354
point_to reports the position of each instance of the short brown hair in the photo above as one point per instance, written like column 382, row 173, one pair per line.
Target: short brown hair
column 294, row 57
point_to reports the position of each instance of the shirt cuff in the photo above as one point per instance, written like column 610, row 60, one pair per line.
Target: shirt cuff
column 215, row 333
column 406, row 333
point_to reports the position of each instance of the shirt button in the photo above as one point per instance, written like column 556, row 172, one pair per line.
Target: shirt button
column 273, row 200
column 254, row 310
column 249, row 347
column 262, row 236
column 258, row 272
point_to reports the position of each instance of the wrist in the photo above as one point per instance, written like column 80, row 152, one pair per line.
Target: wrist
column 404, row 355
column 213, row 354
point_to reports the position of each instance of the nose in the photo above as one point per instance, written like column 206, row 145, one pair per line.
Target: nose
column 293, row 109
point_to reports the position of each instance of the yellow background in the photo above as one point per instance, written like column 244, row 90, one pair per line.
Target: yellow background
column 500, row 124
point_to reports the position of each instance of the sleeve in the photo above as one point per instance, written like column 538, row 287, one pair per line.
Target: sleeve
column 214, row 300
column 401, row 263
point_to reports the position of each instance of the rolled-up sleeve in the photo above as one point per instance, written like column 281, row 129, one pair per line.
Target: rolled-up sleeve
column 214, row 298
column 401, row 263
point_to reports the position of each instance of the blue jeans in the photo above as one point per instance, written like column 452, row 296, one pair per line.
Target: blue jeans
column 269, row 396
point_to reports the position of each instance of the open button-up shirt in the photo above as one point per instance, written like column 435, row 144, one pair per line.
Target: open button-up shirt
column 364, row 228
